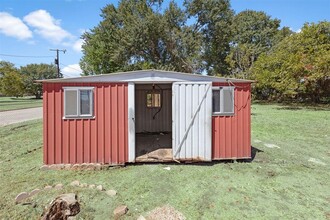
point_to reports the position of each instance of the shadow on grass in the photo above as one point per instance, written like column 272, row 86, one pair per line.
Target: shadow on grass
column 254, row 152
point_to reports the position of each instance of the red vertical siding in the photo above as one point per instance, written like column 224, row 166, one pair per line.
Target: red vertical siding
column 231, row 135
column 101, row 139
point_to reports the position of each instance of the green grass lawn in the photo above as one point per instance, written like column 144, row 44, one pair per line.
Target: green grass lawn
column 12, row 103
column 288, row 178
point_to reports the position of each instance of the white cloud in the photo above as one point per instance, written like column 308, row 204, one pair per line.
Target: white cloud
column 47, row 26
column 14, row 27
column 77, row 45
column 298, row 31
column 72, row 70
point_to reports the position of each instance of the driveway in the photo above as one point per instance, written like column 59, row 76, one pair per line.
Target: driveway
column 15, row 116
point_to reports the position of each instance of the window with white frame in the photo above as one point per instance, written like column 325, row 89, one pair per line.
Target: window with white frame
column 223, row 100
column 78, row 102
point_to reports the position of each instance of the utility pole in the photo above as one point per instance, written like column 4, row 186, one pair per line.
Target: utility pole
column 57, row 61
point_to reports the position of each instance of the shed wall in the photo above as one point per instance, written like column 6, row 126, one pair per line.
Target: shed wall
column 231, row 135
column 144, row 115
column 102, row 139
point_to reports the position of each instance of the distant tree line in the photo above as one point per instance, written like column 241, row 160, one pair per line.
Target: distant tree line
column 21, row 81
column 206, row 36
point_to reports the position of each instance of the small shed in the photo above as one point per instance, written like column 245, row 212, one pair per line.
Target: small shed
column 147, row 115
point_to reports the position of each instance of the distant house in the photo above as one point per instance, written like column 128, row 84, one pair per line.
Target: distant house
column 146, row 115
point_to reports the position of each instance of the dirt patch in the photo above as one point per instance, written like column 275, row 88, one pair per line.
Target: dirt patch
column 271, row 146
column 165, row 212
column 316, row 161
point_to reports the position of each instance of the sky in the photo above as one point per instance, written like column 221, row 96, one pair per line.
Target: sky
column 30, row 29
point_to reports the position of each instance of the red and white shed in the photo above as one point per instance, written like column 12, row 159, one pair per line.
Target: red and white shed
column 147, row 115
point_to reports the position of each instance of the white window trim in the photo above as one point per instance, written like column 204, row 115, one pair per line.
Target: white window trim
column 221, row 89
column 79, row 115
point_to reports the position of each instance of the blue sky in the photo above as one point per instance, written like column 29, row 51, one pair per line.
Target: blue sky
column 32, row 28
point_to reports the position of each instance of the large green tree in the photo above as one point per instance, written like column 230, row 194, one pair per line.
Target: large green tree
column 11, row 83
column 32, row 72
column 212, row 20
column 298, row 67
column 254, row 32
column 138, row 35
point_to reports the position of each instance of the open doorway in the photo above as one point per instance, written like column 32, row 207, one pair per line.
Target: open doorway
column 153, row 122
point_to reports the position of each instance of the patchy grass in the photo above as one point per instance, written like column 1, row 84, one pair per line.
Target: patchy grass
column 11, row 103
column 282, row 182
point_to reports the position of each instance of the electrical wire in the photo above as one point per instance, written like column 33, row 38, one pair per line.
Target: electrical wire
column 14, row 55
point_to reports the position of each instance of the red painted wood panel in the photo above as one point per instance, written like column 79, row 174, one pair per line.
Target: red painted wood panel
column 231, row 135
column 101, row 139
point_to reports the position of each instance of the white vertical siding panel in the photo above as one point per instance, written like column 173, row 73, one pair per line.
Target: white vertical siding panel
column 195, row 140
column 131, row 122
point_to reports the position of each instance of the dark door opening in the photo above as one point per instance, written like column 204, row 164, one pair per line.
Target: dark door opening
column 153, row 122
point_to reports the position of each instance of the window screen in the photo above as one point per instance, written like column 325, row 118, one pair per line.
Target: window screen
column 85, row 102
column 216, row 100
column 223, row 100
column 78, row 102
column 153, row 100
column 228, row 105
column 71, row 103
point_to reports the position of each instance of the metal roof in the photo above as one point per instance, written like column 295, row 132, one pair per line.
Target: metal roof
column 145, row 76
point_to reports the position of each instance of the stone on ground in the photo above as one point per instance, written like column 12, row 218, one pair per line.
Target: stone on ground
column 63, row 207
column 92, row 186
column 166, row 212
column 75, row 183
column 120, row 211
column 141, row 218
column 35, row 191
column 59, row 186
column 83, row 185
column 20, row 197
column 111, row 192
column 48, row 187
column 100, row 187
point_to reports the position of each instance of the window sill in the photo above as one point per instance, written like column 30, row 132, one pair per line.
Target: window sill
column 78, row 117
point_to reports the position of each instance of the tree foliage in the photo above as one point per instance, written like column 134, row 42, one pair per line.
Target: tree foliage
column 11, row 82
column 32, row 72
column 254, row 32
column 298, row 67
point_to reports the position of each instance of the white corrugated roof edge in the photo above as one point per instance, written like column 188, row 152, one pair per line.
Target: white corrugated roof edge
column 153, row 74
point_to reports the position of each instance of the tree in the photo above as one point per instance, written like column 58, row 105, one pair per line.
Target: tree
column 254, row 32
column 138, row 35
column 32, row 72
column 298, row 67
column 11, row 83
column 213, row 20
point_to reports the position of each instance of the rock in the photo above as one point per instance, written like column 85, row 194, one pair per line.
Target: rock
column 111, row 192
column 63, row 207
column 83, row 185
column 44, row 167
column 167, row 168
column 92, row 186
column 75, row 183
column 21, row 196
column 120, row 211
column 59, row 186
column 48, row 187
column 56, row 166
column 97, row 166
column 76, row 167
column 141, row 218
column 35, row 191
column 165, row 212
column 100, row 187
column 67, row 166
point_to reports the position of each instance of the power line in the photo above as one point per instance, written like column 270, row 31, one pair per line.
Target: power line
column 64, row 65
column 14, row 55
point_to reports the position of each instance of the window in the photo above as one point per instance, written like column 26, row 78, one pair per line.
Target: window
column 78, row 102
column 153, row 99
column 223, row 100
